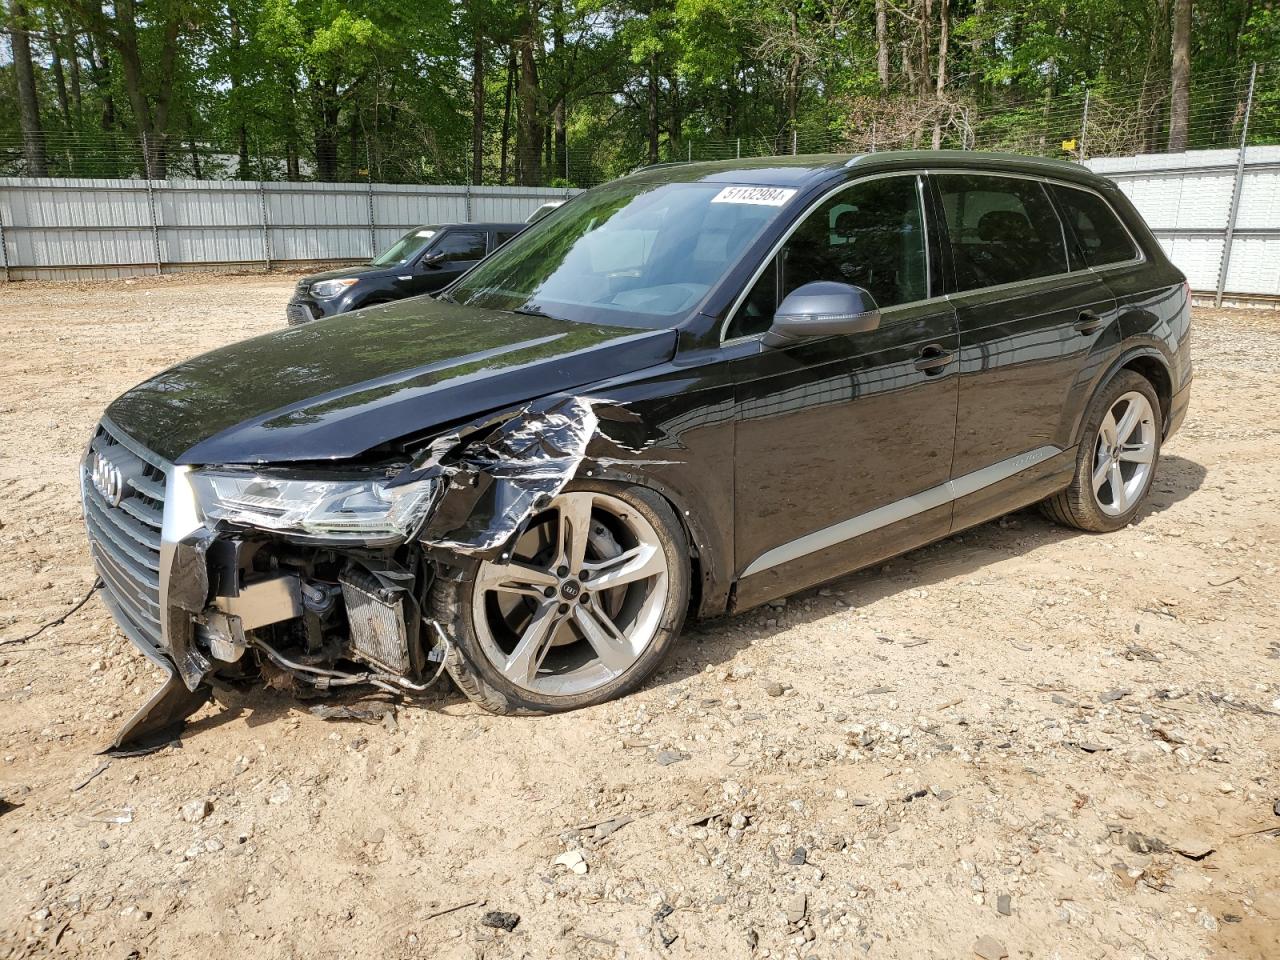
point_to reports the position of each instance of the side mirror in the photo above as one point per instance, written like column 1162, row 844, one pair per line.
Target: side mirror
column 432, row 259
column 823, row 309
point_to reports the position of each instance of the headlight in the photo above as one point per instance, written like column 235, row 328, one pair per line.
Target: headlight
column 326, row 289
column 367, row 511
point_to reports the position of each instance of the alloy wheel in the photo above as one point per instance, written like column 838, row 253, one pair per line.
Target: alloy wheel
column 1124, row 454
column 580, row 599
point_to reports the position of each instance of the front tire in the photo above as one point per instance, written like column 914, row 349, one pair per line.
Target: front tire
column 533, row 635
column 1116, row 460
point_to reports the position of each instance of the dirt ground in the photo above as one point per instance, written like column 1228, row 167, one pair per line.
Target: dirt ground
column 1068, row 744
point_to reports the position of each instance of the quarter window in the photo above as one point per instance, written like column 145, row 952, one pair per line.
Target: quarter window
column 1101, row 236
column 461, row 246
column 870, row 235
column 1002, row 230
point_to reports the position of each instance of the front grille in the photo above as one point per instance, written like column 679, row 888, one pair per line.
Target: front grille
column 297, row 312
column 124, row 537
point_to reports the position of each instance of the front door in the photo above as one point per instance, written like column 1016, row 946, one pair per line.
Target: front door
column 844, row 444
column 448, row 258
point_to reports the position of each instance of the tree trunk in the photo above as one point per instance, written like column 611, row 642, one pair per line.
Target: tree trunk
column 793, row 77
column 242, row 130
column 59, row 75
column 529, row 125
column 944, row 40
column 33, row 147
column 1180, row 77
column 477, row 108
column 652, row 117
column 882, row 44
column 926, row 32
column 560, row 110
column 506, row 115
column 77, row 101
column 100, row 73
column 677, row 113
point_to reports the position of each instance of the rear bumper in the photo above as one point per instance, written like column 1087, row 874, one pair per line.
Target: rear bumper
column 1178, row 409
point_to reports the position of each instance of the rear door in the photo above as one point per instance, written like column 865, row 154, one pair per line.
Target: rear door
column 1031, row 321
column 458, row 251
column 844, row 443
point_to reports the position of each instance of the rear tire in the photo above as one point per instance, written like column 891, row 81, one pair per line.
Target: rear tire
column 487, row 617
column 1116, row 460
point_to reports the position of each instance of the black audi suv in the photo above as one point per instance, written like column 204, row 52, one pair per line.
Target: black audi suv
column 690, row 391
column 426, row 259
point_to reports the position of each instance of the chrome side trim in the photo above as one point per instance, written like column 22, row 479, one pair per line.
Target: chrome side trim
column 181, row 519
column 899, row 510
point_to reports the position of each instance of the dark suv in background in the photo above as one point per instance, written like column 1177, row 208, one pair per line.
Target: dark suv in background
column 426, row 259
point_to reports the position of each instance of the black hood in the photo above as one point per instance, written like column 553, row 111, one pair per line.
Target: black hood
column 344, row 273
column 336, row 388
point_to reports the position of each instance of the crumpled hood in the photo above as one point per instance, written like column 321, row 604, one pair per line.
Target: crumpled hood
column 335, row 388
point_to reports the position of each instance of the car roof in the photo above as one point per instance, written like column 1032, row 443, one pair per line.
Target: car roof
column 806, row 169
column 486, row 225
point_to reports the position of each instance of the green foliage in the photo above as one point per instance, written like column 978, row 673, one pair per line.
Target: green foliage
column 355, row 89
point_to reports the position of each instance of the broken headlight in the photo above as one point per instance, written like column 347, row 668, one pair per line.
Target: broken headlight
column 367, row 511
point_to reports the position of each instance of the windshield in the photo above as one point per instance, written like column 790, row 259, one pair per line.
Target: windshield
column 629, row 253
column 406, row 248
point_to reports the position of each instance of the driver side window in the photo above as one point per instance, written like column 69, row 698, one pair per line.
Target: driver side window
column 870, row 235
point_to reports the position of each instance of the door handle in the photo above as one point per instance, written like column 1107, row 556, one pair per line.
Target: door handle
column 1088, row 323
column 933, row 359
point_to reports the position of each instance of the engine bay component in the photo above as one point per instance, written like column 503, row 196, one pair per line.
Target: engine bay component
column 379, row 627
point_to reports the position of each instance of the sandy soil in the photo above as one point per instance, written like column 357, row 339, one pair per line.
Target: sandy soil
column 1020, row 712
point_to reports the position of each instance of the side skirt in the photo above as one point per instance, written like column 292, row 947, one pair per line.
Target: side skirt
column 904, row 525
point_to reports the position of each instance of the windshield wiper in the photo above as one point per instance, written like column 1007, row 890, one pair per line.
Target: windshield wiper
column 533, row 310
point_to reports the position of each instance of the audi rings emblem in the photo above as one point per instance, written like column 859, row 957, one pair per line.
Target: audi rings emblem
column 107, row 479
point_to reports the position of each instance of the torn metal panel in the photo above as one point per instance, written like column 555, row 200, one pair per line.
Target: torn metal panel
column 498, row 481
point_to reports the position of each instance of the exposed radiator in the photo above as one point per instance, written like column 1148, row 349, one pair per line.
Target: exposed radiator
column 376, row 615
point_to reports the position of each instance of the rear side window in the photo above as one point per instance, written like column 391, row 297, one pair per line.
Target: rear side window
column 1002, row 230
column 1100, row 234
column 503, row 236
column 462, row 245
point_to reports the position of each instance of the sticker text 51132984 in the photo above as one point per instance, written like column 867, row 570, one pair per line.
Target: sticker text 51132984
column 762, row 196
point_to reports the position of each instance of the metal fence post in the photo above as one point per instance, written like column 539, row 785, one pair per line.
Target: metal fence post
column 1084, row 128
column 373, row 232
column 151, row 204
column 266, row 227
column 4, row 252
column 1225, row 263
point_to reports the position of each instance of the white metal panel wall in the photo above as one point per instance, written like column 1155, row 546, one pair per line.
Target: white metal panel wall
column 1186, row 200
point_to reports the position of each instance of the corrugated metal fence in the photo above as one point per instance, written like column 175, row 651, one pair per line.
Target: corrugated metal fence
column 76, row 229
column 94, row 229
column 1193, row 201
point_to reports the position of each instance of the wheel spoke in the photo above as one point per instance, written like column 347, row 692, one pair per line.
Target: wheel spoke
column 1128, row 423
column 1136, row 453
column 1108, row 430
column 1119, row 498
column 515, row 577
column 1101, row 470
column 638, row 563
column 575, row 528
column 609, row 643
column 530, row 650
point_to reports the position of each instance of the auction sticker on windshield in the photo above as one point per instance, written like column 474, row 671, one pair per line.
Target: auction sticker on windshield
column 763, row 196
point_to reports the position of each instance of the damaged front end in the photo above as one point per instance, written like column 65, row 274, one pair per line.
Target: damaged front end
column 312, row 580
